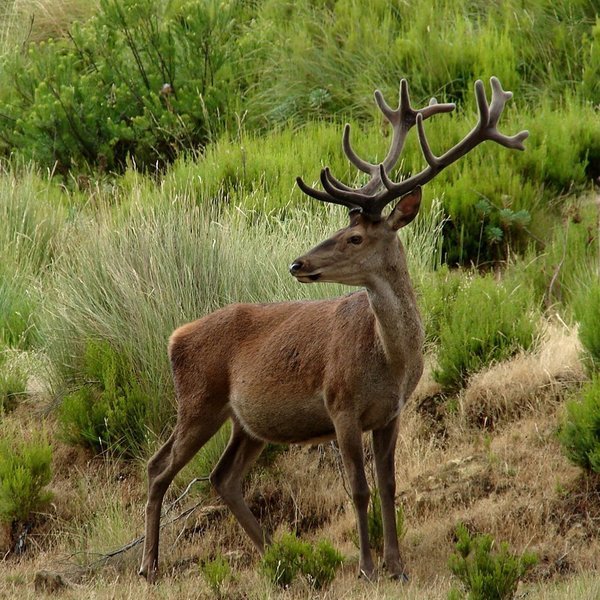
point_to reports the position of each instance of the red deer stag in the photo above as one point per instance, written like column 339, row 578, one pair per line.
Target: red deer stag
column 307, row 372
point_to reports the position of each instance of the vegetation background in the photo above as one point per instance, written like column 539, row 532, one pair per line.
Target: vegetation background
column 148, row 158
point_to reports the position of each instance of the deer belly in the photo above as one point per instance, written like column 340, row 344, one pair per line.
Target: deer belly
column 289, row 418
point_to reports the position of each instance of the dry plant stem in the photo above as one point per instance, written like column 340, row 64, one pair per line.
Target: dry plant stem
column 308, row 372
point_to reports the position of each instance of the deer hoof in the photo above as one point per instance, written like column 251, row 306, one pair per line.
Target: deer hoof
column 148, row 574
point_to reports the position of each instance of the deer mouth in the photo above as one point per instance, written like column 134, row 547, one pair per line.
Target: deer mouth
column 308, row 278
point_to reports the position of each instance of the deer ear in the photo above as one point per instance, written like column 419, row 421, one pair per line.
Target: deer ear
column 406, row 210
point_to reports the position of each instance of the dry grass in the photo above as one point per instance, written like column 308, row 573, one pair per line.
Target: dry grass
column 528, row 381
column 37, row 20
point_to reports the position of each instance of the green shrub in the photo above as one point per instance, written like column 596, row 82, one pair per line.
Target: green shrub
column 205, row 460
column 486, row 573
column 139, row 79
column 216, row 573
column 322, row 57
column 25, row 470
column 587, row 313
column 488, row 321
column 290, row 556
column 580, row 431
column 109, row 411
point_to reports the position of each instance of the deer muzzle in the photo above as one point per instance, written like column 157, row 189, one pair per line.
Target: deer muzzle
column 303, row 274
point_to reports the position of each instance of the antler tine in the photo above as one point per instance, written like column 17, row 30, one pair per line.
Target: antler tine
column 320, row 195
column 357, row 161
column 348, row 197
column 485, row 129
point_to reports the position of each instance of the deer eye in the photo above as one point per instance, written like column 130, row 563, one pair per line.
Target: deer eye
column 355, row 239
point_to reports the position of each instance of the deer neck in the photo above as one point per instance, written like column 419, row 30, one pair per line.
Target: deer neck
column 397, row 320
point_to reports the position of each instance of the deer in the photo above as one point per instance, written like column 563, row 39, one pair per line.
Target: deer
column 308, row 372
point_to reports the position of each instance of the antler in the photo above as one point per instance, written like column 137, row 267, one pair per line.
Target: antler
column 371, row 201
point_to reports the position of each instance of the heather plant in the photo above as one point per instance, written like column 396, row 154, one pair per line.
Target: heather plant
column 125, row 83
column 13, row 384
column 25, row 471
column 108, row 411
column 289, row 557
column 216, row 573
column 488, row 321
column 580, row 430
column 375, row 523
column 486, row 570
column 323, row 57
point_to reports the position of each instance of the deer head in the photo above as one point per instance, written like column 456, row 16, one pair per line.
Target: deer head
column 353, row 254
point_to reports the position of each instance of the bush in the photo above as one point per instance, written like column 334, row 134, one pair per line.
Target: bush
column 488, row 321
column 290, row 556
column 25, row 469
column 109, row 412
column 140, row 79
column 216, row 572
column 580, row 431
column 486, row 574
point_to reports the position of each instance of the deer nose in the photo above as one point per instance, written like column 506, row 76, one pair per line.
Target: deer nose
column 296, row 266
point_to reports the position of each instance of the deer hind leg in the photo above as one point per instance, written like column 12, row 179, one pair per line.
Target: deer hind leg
column 349, row 437
column 239, row 456
column 179, row 449
column 384, row 447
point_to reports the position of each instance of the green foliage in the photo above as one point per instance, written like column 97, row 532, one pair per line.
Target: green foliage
column 323, row 58
column 487, row 573
column 290, row 556
column 25, row 470
column 375, row 522
column 140, row 79
column 16, row 310
column 109, row 412
column 587, row 313
column 216, row 573
column 488, row 321
column 436, row 292
column 580, row 431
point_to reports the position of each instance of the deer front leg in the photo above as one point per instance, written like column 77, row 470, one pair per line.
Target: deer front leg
column 384, row 447
column 349, row 437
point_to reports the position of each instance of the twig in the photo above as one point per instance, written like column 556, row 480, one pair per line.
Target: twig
column 186, row 492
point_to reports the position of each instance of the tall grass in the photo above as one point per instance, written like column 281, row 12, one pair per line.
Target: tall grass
column 32, row 222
